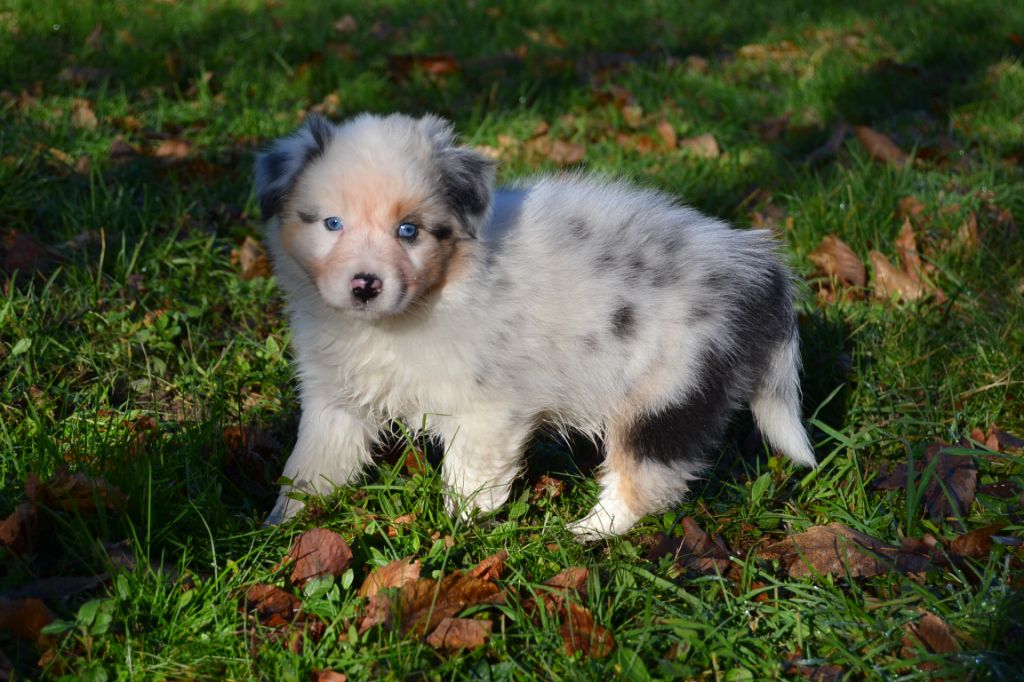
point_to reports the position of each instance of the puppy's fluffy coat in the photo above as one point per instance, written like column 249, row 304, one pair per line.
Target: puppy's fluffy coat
column 416, row 291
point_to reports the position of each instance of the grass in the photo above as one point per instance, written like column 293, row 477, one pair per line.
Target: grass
column 141, row 314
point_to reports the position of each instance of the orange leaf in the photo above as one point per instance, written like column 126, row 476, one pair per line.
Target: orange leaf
column 17, row 530
column 566, row 153
column 24, row 618
column 835, row 259
column 419, row 605
column 933, row 633
column 274, row 607
column 172, row 149
column 394, row 574
column 253, row 259
column 879, row 147
column 491, row 567
column 906, row 244
column 668, row 134
column 74, row 492
column 705, row 146
column 889, row 281
column 836, row 549
column 316, row 553
column 581, row 633
column 460, row 633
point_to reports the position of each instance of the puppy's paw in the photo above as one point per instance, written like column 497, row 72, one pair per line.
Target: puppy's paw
column 284, row 510
column 602, row 523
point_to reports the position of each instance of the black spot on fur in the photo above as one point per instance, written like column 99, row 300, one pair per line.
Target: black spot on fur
column 682, row 432
column 666, row 278
column 441, row 232
column 466, row 179
column 579, row 228
column 758, row 318
column 607, row 259
column 624, row 322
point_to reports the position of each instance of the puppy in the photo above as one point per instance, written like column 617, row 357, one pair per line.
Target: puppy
column 417, row 292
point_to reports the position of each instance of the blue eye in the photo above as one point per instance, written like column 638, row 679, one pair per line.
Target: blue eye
column 408, row 230
column 333, row 223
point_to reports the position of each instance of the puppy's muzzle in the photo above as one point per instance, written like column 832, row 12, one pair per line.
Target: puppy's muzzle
column 366, row 286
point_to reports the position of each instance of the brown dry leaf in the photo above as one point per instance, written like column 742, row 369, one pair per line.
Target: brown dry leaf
column 633, row 115
column 491, row 567
column 415, row 462
column 573, row 578
column 252, row 258
column 667, row 134
column 772, row 129
column 835, row 259
column 402, row 65
column 967, row 234
column 932, row 632
column 452, row 634
column 989, row 441
column 879, row 147
column 329, row 676
column 403, row 520
column 889, row 281
column 316, row 553
column 911, row 208
column 566, row 153
column 705, row 146
column 74, row 492
column 952, row 488
column 17, row 530
column 347, row 24
column 582, row 634
column 82, row 114
column 393, row 574
column 977, row 544
column 24, row 618
column 119, row 149
column 1007, row 441
column 273, row 606
column 837, row 549
column 547, row 486
column 906, row 244
column 22, row 253
column 418, row 606
column 696, row 550
column 173, row 148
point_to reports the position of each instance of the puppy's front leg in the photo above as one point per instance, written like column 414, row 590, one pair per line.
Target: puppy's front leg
column 332, row 448
column 483, row 451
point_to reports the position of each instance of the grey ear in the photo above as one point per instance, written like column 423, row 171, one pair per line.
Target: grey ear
column 467, row 177
column 279, row 166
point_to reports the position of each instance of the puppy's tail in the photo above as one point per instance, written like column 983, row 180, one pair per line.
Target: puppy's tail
column 776, row 404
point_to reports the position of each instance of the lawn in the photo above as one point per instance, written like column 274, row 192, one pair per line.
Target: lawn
column 147, row 401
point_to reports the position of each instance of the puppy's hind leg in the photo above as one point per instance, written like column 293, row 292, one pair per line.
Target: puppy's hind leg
column 776, row 404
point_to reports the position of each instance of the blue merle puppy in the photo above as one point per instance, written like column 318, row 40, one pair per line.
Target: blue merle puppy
column 416, row 291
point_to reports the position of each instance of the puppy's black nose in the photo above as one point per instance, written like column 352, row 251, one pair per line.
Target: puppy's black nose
column 366, row 286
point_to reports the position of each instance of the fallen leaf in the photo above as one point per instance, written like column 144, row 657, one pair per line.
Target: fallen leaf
column 17, row 530
column 633, row 115
column 418, row 606
column 347, row 24
column 816, row 673
column 566, row 153
column 84, row 75
column 890, row 282
column 906, row 245
column 491, row 567
column 317, row 553
column 82, row 114
column 415, row 461
column 120, row 150
column 547, row 486
column 402, row 65
column 74, row 492
column 879, row 147
column 952, row 488
column 24, row 618
column 933, row 633
column 772, row 129
column 977, row 544
column 696, row 550
column 252, row 258
column 582, row 634
column 967, row 234
column 393, row 574
column 910, row 208
column 173, row 148
column 1006, row 440
column 835, row 259
column 573, row 578
column 667, row 134
column 452, row 634
column 837, row 549
column 704, row 146
column 273, row 606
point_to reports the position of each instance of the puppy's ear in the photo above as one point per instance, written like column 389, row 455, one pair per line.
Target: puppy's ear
column 279, row 166
column 467, row 177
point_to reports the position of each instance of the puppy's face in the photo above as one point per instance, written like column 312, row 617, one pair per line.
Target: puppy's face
column 375, row 211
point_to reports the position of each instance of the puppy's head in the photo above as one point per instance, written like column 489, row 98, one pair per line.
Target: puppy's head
column 377, row 210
